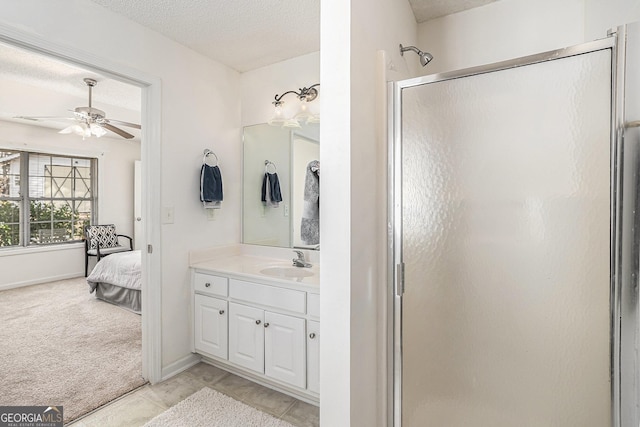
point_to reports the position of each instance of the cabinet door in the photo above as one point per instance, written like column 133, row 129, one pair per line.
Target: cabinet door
column 284, row 349
column 313, row 356
column 246, row 336
column 211, row 326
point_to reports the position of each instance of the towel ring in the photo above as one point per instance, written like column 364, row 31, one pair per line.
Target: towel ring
column 205, row 158
column 267, row 163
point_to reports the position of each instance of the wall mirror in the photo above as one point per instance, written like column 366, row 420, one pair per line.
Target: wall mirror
column 290, row 153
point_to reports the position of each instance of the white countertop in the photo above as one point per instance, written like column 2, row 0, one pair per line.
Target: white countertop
column 248, row 267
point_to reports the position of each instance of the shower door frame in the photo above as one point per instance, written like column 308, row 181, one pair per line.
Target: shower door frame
column 616, row 42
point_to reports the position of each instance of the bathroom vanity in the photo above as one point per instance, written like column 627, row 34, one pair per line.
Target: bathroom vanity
column 259, row 318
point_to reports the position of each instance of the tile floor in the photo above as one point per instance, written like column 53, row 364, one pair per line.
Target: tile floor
column 141, row 405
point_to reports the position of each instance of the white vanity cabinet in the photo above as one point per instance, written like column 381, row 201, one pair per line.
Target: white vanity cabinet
column 269, row 343
column 266, row 331
column 210, row 328
column 313, row 356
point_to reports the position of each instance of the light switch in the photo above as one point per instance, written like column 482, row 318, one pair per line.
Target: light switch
column 167, row 214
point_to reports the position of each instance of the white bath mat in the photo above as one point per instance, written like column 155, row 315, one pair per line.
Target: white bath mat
column 209, row 408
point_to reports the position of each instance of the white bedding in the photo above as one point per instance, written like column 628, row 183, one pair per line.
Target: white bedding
column 120, row 269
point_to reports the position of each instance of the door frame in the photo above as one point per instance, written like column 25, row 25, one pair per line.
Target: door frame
column 151, row 173
column 395, row 263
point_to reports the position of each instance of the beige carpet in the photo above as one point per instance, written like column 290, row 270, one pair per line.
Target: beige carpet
column 209, row 408
column 61, row 346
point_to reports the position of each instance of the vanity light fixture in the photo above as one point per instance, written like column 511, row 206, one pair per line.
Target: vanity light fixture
column 305, row 95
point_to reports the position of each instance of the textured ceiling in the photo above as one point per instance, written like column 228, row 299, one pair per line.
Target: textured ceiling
column 249, row 34
column 35, row 85
column 243, row 34
column 425, row 10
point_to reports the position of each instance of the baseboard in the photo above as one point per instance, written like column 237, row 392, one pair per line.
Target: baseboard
column 41, row 280
column 180, row 365
column 308, row 397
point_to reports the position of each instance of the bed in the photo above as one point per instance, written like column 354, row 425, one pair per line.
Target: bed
column 117, row 279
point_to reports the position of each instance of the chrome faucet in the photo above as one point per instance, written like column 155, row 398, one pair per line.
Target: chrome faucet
column 301, row 261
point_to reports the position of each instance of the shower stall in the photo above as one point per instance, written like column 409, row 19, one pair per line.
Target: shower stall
column 514, row 241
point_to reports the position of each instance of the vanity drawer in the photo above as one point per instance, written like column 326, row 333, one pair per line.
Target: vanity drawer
column 285, row 299
column 210, row 284
column 313, row 305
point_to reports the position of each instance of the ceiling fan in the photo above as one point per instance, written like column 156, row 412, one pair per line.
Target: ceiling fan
column 89, row 120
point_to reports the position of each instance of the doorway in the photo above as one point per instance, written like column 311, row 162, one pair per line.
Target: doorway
column 151, row 172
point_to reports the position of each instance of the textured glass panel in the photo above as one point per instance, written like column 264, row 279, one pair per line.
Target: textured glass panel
column 506, row 223
column 628, row 309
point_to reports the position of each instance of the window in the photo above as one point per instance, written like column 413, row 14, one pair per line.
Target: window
column 44, row 199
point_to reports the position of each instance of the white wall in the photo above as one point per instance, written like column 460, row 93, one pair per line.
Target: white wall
column 258, row 89
column 200, row 109
column 509, row 29
column 353, row 181
column 26, row 266
column 259, row 86
column 602, row 15
column 499, row 31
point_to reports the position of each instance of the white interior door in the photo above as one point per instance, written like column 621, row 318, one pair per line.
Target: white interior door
column 505, row 216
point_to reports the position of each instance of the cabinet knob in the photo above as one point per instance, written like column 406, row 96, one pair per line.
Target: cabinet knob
column 258, row 322
column 221, row 312
column 266, row 325
column 312, row 335
column 206, row 285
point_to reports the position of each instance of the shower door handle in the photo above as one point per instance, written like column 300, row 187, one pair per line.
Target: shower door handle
column 400, row 279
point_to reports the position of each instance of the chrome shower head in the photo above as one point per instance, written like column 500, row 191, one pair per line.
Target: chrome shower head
column 425, row 57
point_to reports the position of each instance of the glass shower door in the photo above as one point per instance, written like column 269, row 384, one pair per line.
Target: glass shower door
column 505, row 240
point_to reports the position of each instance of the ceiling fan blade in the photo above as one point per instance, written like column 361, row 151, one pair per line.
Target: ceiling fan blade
column 119, row 131
column 120, row 122
column 38, row 118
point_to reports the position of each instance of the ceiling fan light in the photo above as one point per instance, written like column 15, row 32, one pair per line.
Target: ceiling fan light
column 68, row 129
column 76, row 129
column 97, row 130
column 86, row 130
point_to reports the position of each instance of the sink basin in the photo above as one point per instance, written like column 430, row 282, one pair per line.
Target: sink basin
column 288, row 272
